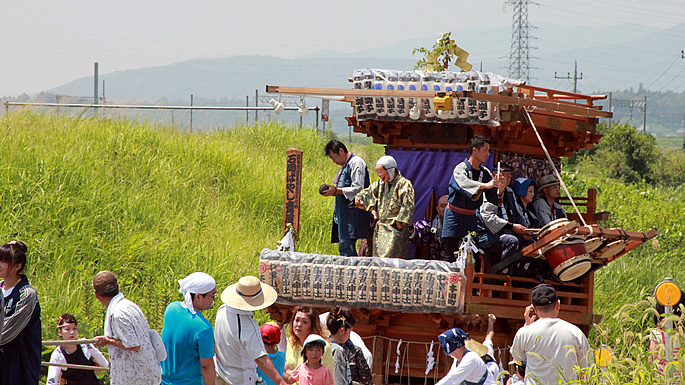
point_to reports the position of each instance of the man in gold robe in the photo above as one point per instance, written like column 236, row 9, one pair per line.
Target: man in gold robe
column 391, row 201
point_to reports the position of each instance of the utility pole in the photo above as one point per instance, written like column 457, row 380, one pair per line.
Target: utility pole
column 644, row 117
column 95, row 87
column 519, row 53
column 575, row 77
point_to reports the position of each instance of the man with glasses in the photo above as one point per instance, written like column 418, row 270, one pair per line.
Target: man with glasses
column 188, row 336
column 468, row 183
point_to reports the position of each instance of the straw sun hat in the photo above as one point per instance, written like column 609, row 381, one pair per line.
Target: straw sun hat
column 249, row 294
column 476, row 347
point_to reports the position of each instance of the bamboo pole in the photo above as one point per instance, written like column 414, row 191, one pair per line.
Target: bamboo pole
column 68, row 342
column 73, row 366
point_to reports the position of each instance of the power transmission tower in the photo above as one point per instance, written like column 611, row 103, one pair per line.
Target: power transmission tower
column 575, row 77
column 519, row 54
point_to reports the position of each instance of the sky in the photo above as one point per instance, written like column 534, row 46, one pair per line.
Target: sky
column 46, row 43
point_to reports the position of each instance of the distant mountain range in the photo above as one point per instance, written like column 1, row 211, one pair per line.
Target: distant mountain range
column 609, row 58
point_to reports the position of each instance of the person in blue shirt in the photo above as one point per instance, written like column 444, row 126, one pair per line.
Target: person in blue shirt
column 271, row 335
column 188, row 336
column 349, row 223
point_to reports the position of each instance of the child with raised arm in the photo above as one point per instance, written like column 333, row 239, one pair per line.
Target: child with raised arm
column 311, row 372
column 82, row 354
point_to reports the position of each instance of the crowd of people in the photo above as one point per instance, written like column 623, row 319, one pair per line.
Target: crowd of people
column 316, row 349
column 504, row 213
column 236, row 350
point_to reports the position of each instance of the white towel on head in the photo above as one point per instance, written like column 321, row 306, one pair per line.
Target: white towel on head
column 389, row 164
column 197, row 283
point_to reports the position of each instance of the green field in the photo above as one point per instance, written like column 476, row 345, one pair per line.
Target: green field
column 154, row 204
column 671, row 142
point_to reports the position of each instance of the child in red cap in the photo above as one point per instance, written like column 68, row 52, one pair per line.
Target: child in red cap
column 271, row 335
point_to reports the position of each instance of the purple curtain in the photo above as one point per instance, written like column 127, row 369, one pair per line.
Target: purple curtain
column 428, row 171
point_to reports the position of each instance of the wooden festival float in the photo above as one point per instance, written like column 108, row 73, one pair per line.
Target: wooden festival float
column 410, row 302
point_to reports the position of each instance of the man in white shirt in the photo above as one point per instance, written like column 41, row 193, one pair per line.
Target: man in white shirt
column 127, row 336
column 544, row 343
column 237, row 339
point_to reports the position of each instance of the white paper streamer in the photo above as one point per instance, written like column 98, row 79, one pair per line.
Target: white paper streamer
column 430, row 361
column 287, row 243
column 397, row 362
column 466, row 244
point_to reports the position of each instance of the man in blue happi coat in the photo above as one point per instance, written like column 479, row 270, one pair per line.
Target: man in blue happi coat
column 469, row 182
column 349, row 223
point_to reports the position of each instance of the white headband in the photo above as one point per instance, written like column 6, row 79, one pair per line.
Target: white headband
column 389, row 164
column 196, row 283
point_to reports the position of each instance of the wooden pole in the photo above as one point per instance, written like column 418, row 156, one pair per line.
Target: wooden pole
column 73, row 366
column 68, row 342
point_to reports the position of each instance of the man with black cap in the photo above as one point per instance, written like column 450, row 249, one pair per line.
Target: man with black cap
column 546, row 206
column 550, row 346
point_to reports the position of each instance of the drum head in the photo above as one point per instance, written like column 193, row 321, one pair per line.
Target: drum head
column 575, row 270
column 593, row 244
column 555, row 224
column 611, row 249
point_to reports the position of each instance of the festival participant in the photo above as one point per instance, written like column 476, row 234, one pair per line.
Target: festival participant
column 519, row 375
column 305, row 321
column 238, row 341
column 271, row 336
column 311, row 371
column 467, row 367
column 391, row 201
column 468, row 183
column 546, row 206
column 340, row 322
column 486, row 350
column 496, row 224
column 188, row 336
column 20, row 341
column 82, row 354
column 354, row 337
column 430, row 234
column 127, row 336
column 349, row 223
column 524, row 189
column 527, row 266
column 551, row 346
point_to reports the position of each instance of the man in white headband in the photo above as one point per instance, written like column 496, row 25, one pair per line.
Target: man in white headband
column 188, row 336
column 391, row 201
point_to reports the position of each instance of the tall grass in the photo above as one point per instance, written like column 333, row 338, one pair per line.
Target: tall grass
column 151, row 204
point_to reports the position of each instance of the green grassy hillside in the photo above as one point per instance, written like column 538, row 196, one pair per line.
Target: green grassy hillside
column 153, row 204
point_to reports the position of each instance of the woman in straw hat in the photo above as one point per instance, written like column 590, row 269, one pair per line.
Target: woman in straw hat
column 238, row 341
column 468, row 367
column 305, row 321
